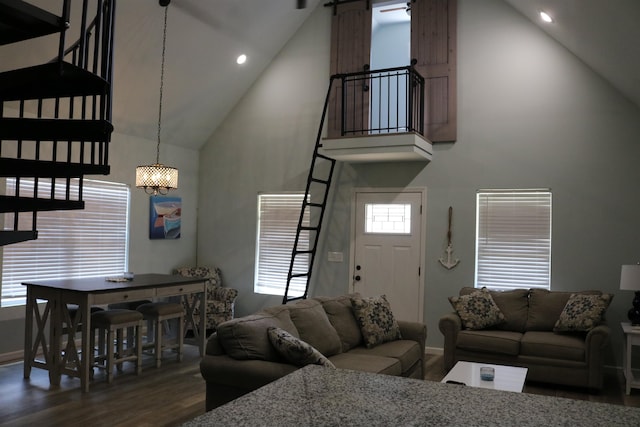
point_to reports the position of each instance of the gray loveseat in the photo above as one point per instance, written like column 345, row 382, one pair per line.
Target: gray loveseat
column 240, row 357
column 526, row 337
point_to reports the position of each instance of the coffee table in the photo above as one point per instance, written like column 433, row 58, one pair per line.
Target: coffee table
column 508, row 378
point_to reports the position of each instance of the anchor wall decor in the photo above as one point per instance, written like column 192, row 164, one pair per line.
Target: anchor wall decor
column 449, row 262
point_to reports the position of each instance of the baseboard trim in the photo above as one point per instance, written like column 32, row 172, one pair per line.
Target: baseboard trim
column 434, row 350
column 13, row 356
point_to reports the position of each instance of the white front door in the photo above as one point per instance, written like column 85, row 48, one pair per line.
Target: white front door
column 387, row 249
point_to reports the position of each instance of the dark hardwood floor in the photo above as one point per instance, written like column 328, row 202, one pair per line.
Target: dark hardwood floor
column 172, row 395
column 167, row 396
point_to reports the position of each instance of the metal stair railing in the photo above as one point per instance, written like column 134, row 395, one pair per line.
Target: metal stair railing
column 40, row 143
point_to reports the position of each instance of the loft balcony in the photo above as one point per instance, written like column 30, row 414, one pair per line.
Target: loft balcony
column 377, row 116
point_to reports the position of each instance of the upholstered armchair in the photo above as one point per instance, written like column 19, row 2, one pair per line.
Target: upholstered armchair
column 220, row 300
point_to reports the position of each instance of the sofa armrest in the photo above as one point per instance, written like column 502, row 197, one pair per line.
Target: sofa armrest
column 247, row 374
column 413, row 331
column 227, row 378
column 219, row 293
column 597, row 338
column 596, row 342
column 450, row 325
column 213, row 347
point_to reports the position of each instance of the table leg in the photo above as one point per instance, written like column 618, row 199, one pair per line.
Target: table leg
column 202, row 339
column 87, row 330
column 626, row 363
column 28, row 333
column 55, row 334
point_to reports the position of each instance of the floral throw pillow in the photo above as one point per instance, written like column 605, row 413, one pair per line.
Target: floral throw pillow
column 294, row 350
column 582, row 312
column 477, row 310
column 376, row 320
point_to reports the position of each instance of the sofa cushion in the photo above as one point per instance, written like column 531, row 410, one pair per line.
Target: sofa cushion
column 367, row 363
column 246, row 337
column 582, row 312
column 313, row 325
column 294, row 350
column 545, row 308
column 376, row 320
column 477, row 310
column 406, row 351
column 340, row 314
column 513, row 304
column 553, row 346
column 490, row 341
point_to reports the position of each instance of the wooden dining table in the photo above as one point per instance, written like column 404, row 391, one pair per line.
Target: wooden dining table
column 53, row 347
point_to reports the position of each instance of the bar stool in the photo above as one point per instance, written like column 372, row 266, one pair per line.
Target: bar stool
column 129, row 305
column 73, row 312
column 110, row 325
column 158, row 312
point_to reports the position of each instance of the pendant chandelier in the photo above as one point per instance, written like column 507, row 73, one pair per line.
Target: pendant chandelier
column 158, row 178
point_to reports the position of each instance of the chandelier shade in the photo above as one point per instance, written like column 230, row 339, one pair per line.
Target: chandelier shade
column 156, row 178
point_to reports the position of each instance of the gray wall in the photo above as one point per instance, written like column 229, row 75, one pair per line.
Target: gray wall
column 530, row 114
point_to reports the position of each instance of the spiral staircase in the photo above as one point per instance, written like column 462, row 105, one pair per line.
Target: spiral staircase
column 55, row 118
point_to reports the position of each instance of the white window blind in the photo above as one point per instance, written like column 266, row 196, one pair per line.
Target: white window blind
column 513, row 239
column 78, row 243
column 278, row 216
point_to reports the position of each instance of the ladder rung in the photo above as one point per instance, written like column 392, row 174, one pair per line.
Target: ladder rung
column 302, row 252
column 326, row 158
column 299, row 275
column 315, row 205
column 294, row 298
column 309, row 228
column 321, row 181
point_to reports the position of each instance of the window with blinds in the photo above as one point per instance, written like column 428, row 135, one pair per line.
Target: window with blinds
column 513, row 239
column 91, row 242
column 278, row 216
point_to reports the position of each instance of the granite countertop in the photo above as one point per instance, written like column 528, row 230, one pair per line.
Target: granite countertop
column 319, row 396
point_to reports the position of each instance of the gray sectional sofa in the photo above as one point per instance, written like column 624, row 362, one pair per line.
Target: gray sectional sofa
column 525, row 336
column 240, row 357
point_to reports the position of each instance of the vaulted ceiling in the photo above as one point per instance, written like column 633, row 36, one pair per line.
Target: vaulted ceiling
column 604, row 34
column 204, row 38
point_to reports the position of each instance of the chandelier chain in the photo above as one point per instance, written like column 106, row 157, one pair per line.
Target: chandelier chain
column 164, row 47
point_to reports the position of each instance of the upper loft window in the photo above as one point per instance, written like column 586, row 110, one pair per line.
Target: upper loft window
column 513, row 239
column 91, row 242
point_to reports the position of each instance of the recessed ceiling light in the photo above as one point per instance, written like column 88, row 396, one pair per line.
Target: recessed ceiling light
column 241, row 59
column 546, row 17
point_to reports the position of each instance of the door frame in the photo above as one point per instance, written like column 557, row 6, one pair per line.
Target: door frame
column 423, row 235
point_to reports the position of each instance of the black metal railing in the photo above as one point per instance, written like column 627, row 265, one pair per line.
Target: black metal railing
column 382, row 101
column 92, row 52
column 56, row 117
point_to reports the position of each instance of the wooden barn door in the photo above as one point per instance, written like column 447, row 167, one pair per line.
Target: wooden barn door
column 350, row 52
column 433, row 46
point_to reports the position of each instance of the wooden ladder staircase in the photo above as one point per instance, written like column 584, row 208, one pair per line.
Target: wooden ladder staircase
column 314, row 206
column 55, row 118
